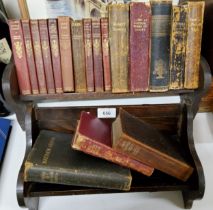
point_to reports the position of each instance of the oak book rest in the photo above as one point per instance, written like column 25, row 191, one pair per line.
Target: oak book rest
column 174, row 120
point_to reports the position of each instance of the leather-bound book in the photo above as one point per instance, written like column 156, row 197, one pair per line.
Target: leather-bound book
column 51, row 160
column 66, row 53
column 45, row 46
column 93, row 136
column 140, row 23
column 88, row 54
column 193, row 44
column 178, row 46
column 38, row 56
column 105, row 53
column 97, row 55
column 55, row 53
column 160, row 45
column 119, row 46
column 19, row 55
column 142, row 142
column 30, row 55
column 78, row 56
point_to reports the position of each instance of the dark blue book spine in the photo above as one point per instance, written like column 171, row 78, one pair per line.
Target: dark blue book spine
column 160, row 45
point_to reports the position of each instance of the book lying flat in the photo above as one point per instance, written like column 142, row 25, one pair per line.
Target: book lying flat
column 93, row 136
column 51, row 160
column 141, row 141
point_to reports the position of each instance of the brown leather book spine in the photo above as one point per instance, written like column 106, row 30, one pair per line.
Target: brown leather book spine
column 45, row 45
column 38, row 56
column 30, row 56
column 19, row 55
column 78, row 56
column 97, row 55
column 56, row 60
column 119, row 46
column 193, row 44
column 140, row 21
column 66, row 53
column 105, row 51
column 88, row 54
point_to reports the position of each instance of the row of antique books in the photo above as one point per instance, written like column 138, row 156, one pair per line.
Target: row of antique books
column 101, row 154
column 139, row 47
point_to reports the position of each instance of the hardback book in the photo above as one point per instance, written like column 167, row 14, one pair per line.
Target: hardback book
column 55, row 53
column 23, row 9
column 139, row 46
column 193, row 44
column 93, row 136
column 45, row 46
column 160, row 45
column 36, row 40
column 178, row 46
column 119, row 46
column 30, row 55
column 65, row 44
column 140, row 141
column 88, row 54
column 97, row 55
column 78, row 56
column 19, row 55
column 51, row 160
column 105, row 53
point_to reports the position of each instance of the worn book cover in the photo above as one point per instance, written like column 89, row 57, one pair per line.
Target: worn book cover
column 51, row 160
column 160, row 45
column 140, row 141
column 178, row 46
column 93, row 136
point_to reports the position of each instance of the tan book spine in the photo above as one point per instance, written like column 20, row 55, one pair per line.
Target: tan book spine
column 23, row 9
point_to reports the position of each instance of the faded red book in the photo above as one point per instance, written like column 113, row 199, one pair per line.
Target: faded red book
column 88, row 54
column 97, row 55
column 38, row 56
column 93, row 136
column 140, row 21
column 66, row 53
column 105, row 51
column 30, row 55
column 56, row 60
column 19, row 55
column 45, row 46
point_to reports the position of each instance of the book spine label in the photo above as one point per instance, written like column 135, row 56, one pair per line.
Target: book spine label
column 45, row 45
column 140, row 21
column 88, row 54
column 160, row 45
column 95, row 149
column 78, row 56
column 97, row 55
column 38, row 56
column 19, row 54
column 178, row 46
column 119, row 46
column 56, row 60
column 105, row 51
column 66, row 53
column 193, row 44
column 30, row 56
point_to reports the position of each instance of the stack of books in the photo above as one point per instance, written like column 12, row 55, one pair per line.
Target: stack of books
column 140, row 47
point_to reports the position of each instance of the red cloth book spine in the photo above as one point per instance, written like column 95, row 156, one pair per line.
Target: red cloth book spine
column 88, row 54
column 64, row 25
column 38, row 56
column 93, row 136
column 19, row 54
column 56, row 60
column 97, row 55
column 140, row 21
column 45, row 46
column 105, row 51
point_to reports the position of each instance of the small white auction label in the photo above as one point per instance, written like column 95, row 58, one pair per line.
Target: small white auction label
column 106, row 112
